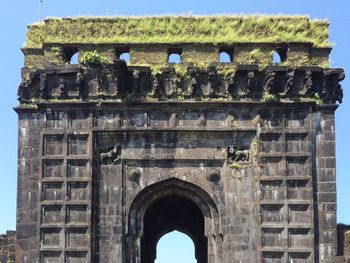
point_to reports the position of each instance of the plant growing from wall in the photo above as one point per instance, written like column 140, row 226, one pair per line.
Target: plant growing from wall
column 92, row 58
column 236, row 170
column 226, row 70
column 269, row 97
column 179, row 29
column 318, row 99
column 180, row 71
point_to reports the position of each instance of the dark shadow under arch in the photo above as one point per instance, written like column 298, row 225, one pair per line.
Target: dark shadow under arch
column 168, row 214
column 171, row 205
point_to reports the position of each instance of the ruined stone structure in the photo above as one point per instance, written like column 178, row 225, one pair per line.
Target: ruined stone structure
column 240, row 156
column 8, row 247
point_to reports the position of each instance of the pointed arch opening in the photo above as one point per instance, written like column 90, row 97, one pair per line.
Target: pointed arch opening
column 174, row 58
column 279, row 55
column 71, row 55
column 171, row 205
column 276, row 58
column 175, row 247
column 174, row 55
column 224, row 57
column 125, row 56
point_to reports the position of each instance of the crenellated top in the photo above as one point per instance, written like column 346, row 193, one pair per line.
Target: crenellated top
column 118, row 82
column 297, row 40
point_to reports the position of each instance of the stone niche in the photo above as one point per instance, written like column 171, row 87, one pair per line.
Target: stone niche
column 115, row 154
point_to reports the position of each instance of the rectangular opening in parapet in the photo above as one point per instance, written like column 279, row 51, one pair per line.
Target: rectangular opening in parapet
column 174, row 55
column 71, row 55
column 123, row 53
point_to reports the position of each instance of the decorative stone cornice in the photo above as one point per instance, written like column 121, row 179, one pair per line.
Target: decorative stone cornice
column 119, row 82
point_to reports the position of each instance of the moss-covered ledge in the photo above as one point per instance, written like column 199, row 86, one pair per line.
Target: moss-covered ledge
column 298, row 40
column 178, row 29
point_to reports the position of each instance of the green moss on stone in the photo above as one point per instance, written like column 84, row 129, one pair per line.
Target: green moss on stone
column 268, row 97
column 226, row 69
column 92, row 58
column 179, row 29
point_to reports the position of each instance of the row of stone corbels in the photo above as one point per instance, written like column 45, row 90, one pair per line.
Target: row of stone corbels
column 302, row 54
column 117, row 81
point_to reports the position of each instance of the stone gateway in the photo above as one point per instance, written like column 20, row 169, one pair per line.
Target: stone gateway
column 239, row 155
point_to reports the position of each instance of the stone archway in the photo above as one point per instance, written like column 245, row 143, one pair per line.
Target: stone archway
column 170, row 205
column 173, row 213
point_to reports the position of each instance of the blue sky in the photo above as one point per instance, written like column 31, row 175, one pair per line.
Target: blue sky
column 16, row 14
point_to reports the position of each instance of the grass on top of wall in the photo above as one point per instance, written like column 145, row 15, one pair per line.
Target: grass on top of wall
column 179, row 29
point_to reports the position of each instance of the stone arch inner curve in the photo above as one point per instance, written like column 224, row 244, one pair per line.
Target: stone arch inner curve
column 180, row 201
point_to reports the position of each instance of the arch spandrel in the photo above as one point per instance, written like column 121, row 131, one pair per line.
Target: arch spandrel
column 177, row 187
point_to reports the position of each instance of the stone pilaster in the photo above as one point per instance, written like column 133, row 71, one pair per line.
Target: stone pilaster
column 325, row 182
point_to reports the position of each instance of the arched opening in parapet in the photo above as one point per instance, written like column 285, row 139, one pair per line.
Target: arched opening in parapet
column 166, row 215
column 276, row 58
column 174, row 58
column 74, row 59
column 171, row 205
column 174, row 55
column 125, row 56
column 279, row 55
column 175, row 247
column 71, row 55
column 224, row 57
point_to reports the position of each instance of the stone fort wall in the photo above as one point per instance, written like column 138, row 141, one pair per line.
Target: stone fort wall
column 250, row 143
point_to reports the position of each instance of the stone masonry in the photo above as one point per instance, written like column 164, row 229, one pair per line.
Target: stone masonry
column 240, row 155
column 8, row 247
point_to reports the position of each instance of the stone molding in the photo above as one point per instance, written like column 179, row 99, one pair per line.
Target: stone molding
column 119, row 82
